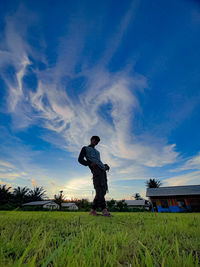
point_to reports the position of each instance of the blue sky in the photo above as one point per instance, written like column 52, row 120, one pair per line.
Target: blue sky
column 127, row 71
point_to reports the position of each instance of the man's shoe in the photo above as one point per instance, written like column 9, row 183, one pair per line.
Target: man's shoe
column 106, row 213
column 93, row 213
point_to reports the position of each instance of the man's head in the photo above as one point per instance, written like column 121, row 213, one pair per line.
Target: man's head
column 94, row 140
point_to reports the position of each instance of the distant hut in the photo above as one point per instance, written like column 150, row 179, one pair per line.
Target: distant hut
column 175, row 198
column 69, row 206
column 46, row 204
column 138, row 203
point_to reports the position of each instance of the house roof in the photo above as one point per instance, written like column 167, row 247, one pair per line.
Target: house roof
column 68, row 204
column 174, row 191
column 140, row 202
column 39, row 203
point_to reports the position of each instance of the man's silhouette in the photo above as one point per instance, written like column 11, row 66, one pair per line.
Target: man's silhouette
column 98, row 170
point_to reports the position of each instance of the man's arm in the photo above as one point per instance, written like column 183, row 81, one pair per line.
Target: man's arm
column 81, row 157
column 107, row 168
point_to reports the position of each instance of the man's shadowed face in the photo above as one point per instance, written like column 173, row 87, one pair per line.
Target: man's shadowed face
column 94, row 142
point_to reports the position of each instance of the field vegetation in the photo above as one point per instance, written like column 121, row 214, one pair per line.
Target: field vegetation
column 77, row 239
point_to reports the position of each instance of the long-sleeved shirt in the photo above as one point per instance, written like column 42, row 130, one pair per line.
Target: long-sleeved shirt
column 92, row 155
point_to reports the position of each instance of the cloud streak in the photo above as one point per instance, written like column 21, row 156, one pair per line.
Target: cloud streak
column 105, row 105
column 184, row 179
column 193, row 163
column 51, row 107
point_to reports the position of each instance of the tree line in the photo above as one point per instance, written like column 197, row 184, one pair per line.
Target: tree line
column 22, row 195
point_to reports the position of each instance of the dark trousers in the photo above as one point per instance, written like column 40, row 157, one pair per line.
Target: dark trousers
column 100, row 185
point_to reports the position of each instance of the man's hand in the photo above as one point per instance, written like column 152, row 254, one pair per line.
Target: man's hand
column 93, row 164
column 107, row 167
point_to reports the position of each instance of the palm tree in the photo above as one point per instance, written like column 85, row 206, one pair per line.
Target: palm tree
column 58, row 199
column 137, row 196
column 37, row 194
column 20, row 195
column 153, row 183
column 5, row 194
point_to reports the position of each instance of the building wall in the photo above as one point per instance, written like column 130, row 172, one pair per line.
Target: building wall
column 139, row 207
column 72, row 207
column 51, row 206
column 175, row 204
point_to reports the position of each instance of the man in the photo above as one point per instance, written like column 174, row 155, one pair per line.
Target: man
column 98, row 170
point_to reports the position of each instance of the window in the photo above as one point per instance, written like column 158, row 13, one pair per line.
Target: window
column 181, row 203
column 164, row 203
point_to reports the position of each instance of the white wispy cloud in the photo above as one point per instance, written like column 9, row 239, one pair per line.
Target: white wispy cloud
column 78, row 186
column 192, row 163
column 7, row 184
column 12, row 175
column 34, row 183
column 115, row 40
column 75, row 120
column 184, row 179
column 72, row 120
column 7, row 165
column 10, row 171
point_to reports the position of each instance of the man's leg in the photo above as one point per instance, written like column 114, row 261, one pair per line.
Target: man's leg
column 105, row 212
column 99, row 200
column 100, row 185
column 98, row 177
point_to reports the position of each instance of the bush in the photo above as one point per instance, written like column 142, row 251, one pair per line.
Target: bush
column 7, row 206
column 136, row 210
column 33, row 208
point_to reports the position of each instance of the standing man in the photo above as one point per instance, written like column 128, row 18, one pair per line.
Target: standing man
column 98, row 170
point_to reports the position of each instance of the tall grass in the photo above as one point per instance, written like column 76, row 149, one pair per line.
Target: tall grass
column 77, row 239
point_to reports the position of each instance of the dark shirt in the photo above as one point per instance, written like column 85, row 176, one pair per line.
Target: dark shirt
column 81, row 157
column 91, row 155
column 84, row 161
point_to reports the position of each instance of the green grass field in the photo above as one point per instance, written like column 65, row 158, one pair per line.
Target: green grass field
column 77, row 239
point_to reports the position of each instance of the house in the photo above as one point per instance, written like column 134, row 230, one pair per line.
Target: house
column 140, row 204
column 137, row 204
column 175, row 198
column 46, row 204
column 69, row 206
